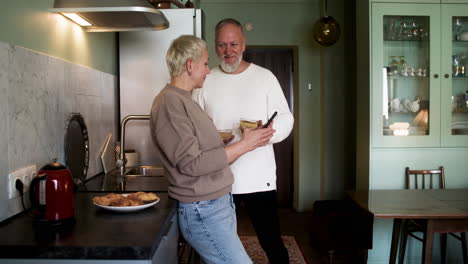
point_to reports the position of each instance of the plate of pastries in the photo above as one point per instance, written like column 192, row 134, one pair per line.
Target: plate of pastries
column 126, row 202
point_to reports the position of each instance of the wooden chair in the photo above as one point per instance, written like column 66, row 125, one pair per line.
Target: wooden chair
column 426, row 179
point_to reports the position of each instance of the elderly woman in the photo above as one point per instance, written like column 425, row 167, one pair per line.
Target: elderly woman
column 196, row 158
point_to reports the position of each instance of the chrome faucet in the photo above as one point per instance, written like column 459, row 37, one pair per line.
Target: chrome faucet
column 122, row 161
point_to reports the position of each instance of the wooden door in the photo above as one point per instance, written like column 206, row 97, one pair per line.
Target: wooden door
column 280, row 62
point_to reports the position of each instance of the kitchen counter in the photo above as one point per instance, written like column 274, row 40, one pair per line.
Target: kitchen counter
column 97, row 234
column 94, row 184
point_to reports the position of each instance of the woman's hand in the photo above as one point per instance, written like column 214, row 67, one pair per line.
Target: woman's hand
column 258, row 137
column 250, row 140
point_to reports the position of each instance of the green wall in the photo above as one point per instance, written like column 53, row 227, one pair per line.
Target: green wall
column 29, row 24
column 285, row 23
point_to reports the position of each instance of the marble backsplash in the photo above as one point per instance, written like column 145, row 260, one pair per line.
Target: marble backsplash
column 37, row 95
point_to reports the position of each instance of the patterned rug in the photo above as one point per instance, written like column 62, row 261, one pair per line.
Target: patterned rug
column 257, row 255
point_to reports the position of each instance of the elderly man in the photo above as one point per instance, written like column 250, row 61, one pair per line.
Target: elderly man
column 239, row 89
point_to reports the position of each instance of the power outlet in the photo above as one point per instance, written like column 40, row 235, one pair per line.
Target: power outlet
column 26, row 175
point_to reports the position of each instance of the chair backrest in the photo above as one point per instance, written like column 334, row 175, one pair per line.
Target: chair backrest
column 424, row 179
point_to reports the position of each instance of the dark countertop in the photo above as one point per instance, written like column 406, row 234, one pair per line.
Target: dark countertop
column 93, row 184
column 96, row 233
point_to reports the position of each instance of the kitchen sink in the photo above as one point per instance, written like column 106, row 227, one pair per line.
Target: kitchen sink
column 153, row 171
column 145, row 178
column 145, row 184
column 141, row 178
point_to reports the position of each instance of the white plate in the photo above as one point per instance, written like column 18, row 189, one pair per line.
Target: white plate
column 127, row 209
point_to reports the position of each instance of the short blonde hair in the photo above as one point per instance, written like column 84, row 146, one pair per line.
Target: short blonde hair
column 183, row 48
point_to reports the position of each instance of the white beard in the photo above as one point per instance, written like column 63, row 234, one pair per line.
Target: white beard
column 229, row 68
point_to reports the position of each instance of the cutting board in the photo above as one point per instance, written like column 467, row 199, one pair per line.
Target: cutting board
column 108, row 155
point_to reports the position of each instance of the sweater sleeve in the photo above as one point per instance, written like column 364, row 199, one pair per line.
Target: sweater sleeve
column 177, row 140
column 284, row 121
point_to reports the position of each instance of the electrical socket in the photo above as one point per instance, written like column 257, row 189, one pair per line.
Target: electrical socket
column 26, row 175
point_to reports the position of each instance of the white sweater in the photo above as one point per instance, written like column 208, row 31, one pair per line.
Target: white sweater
column 254, row 94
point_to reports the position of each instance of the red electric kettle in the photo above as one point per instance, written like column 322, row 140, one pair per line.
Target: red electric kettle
column 51, row 194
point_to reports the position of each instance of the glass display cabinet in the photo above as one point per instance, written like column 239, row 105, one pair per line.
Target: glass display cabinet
column 455, row 83
column 406, row 74
column 405, row 81
column 419, row 84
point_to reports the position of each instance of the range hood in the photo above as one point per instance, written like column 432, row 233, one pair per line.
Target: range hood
column 112, row 15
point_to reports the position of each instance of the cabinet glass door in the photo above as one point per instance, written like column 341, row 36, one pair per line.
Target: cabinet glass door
column 406, row 63
column 455, row 81
column 405, row 80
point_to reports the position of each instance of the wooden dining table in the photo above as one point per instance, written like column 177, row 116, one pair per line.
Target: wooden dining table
column 446, row 210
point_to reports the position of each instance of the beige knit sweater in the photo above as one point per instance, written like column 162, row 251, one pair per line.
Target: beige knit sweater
column 189, row 147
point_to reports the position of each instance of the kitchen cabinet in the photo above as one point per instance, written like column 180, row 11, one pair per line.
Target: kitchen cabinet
column 406, row 61
column 419, row 86
column 167, row 251
column 415, row 53
column 411, row 50
column 454, row 85
column 149, row 236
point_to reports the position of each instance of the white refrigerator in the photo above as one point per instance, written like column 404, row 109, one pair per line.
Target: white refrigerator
column 143, row 73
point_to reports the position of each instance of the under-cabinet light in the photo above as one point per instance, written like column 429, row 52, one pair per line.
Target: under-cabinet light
column 77, row 19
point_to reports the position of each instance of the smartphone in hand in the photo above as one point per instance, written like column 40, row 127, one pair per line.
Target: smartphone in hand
column 271, row 119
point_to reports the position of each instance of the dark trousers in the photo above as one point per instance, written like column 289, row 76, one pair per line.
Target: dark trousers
column 262, row 208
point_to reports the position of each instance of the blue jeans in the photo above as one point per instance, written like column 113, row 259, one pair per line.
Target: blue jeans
column 210, row 227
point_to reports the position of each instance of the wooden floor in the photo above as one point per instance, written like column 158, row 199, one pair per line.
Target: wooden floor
column 292, row 224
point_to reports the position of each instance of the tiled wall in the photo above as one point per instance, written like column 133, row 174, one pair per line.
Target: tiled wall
column 37, row 95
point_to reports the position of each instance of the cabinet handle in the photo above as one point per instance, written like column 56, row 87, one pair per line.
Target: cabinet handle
column 436, row 75
column 446, row 76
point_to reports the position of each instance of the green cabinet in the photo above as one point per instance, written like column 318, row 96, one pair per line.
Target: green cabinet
column 411, row 106
column 419, row 89
column 454, row 85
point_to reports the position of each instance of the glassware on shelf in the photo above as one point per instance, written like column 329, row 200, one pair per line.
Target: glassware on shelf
column 403, row 63
column 392, row 27
column 393, row 66
column 454, row 104
column 403, row 66
column 404, row 28
column 457, row 26
column 415, row 31
column 420, row 72
column 394, row 61
column 466, row 99
column 423, row 34
column 405, row 31
column 399, row 67
column 458, row 68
